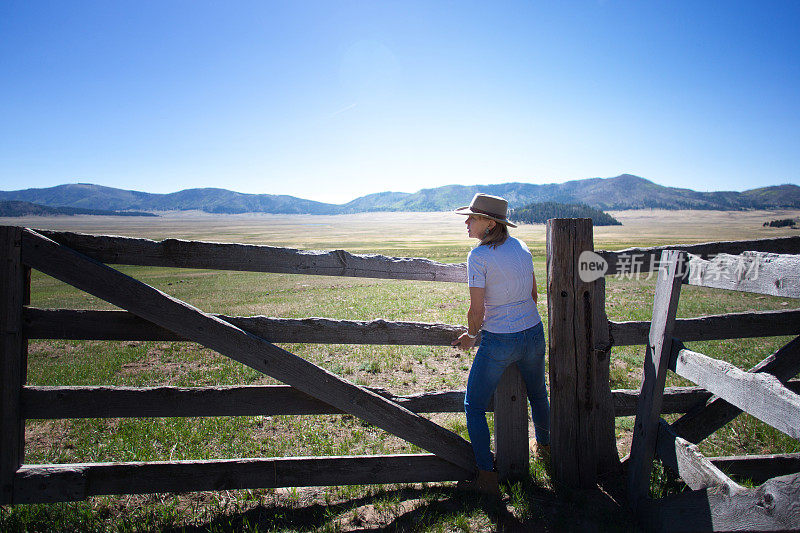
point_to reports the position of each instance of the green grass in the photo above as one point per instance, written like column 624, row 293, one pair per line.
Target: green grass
column 401, row 369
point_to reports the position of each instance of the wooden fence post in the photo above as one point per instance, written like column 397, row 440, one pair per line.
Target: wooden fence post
column 608, row 462
column 511, row 425
column 12, row 355
column 580, row 413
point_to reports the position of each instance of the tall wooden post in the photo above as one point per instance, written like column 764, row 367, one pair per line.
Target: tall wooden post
column 605, row 422
column 12, row 354
column 579, row 411
column 511, row 425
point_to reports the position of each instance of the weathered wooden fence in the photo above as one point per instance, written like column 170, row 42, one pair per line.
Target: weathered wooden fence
column 584, row 407
column 80, row 260
column 580, row 340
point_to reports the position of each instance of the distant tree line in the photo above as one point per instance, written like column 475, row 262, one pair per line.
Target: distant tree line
column 15, row 208
column 538, row 213
column 780, row 223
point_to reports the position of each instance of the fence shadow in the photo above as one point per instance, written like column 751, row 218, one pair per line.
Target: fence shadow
column 531, row 507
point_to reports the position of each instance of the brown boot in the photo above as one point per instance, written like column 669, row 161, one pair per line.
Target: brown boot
column 485, row 482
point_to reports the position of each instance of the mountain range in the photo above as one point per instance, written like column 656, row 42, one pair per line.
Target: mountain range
column 618, row 193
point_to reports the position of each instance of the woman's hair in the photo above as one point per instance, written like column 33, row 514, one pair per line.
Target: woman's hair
column 496, row 236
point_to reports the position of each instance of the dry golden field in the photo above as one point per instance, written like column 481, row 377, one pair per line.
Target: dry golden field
column 414, row 230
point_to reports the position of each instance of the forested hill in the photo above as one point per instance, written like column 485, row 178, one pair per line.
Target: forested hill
column 621, row 192
column 539, row 213
column 21, row 209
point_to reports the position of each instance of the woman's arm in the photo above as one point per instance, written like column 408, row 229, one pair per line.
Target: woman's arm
column 474, row 318
column 534, row 292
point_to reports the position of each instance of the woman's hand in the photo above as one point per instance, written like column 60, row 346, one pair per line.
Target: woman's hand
column 464, row 342
column 474, row 319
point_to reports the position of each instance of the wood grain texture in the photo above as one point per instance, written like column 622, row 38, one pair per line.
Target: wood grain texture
column 73, row 482
column 585, row 360
column 758, row 272
column 758, row 393
column 701, row 422
column 254, row 258
column 648, row 409
column 685, row 459
column 511, row 426
column 620, row 259
column 581, row 407
column 47, row 402
column 151, row 304
column 714, row 327
column 604, row 405
column 561, row 309
column 92, row 401
column 772, row 506
column 122, row 325
column 758, row 468
column 675, row 399
column 12, row 358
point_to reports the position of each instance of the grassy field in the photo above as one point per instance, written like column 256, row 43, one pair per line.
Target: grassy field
column 403, row 370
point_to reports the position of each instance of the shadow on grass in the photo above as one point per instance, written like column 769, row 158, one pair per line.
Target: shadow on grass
column 527, row 507
column 385, row 510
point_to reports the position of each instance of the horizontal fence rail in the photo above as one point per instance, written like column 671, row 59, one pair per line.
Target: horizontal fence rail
column 77, row 481
column 249, row 400
column 646, row 259
column 48, row 402
column 759, row 272
column 758, row 468
column 714, row 327
column 122, row 325
column 254, row 258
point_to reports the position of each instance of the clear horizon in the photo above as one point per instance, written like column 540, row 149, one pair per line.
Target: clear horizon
column 333, row 101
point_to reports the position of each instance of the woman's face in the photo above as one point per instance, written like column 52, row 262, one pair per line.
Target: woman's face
column 477, row 226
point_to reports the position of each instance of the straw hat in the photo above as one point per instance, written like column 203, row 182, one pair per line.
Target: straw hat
column 487, row 206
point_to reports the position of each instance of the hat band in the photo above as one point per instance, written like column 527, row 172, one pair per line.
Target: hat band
column 481, row 211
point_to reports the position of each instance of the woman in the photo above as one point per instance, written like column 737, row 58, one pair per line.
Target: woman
column 503, row 298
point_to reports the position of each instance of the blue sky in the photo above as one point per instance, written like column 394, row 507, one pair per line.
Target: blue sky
column 333, row 100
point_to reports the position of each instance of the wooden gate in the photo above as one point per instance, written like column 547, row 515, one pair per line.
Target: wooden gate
column 716, row 502
column 150, row 314
column 584, row 407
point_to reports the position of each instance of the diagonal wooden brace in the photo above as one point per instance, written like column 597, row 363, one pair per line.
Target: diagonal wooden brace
column 191, row 323
column 654, row 375
column 700, row 423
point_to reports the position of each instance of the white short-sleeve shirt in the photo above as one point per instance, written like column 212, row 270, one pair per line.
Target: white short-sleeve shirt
column 506, row 273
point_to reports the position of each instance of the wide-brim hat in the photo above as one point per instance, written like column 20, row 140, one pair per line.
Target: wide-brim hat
column 486, row 205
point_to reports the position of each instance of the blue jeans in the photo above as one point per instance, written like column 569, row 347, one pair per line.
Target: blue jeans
column 496, row 352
